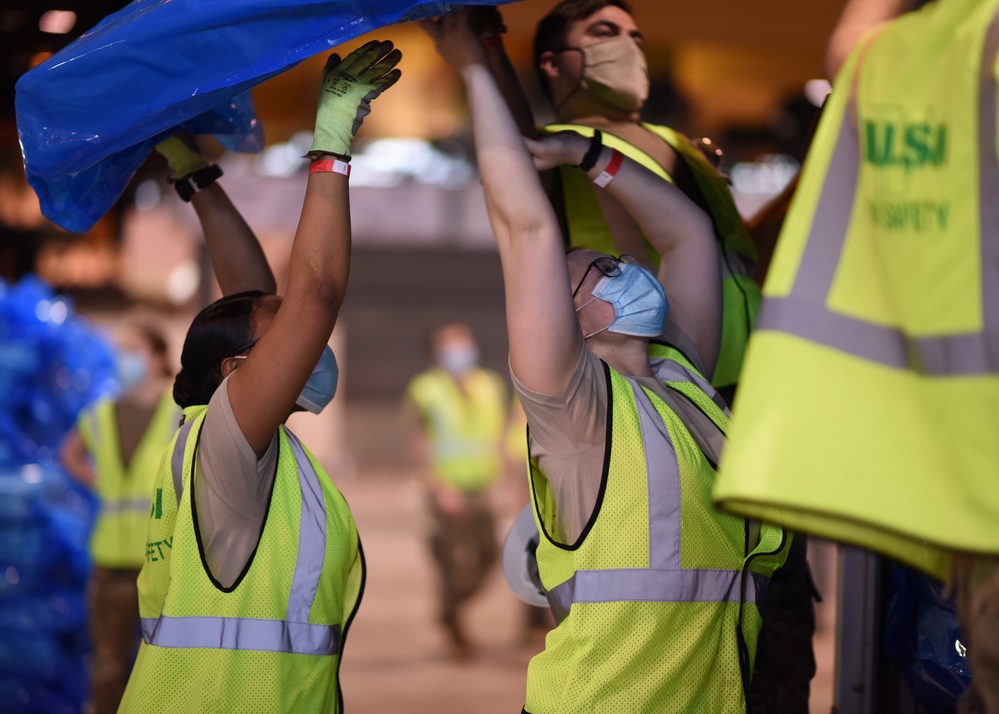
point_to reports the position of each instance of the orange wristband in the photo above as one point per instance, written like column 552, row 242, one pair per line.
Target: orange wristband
column 329, row 166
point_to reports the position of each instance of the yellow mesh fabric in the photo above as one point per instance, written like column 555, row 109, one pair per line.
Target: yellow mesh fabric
column 118, row 538
column 667, row 658
column 898, row 459
column 465, row 430
column 214, row 680
column 675, row 659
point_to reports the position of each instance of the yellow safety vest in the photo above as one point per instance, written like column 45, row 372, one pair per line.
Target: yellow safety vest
column 588, row 228
column 656, row 600
column 465, row 429
column 119, row 536
column 272, row 641
column 866, row 410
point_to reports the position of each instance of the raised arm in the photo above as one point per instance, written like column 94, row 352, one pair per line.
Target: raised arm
column 857, row 18
column 235, row 252
column 487, row 22
column 545, row 339
column 681, row 233
column 263, row 390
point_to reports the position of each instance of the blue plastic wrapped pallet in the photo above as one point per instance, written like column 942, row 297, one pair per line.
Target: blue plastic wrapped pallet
column 51, row 365
column 89, row 116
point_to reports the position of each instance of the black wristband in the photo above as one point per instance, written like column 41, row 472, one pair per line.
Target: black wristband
column 592, row 153
column 197, row 181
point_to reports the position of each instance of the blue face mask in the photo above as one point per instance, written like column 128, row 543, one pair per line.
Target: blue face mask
column 131, row 368
column 319, row 390
column 639, row 302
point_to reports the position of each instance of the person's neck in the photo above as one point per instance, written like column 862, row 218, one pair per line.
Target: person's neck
column 589, row 112
column 627, row 355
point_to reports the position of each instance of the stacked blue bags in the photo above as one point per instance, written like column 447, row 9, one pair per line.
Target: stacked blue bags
column 90, row 115
column 51, row 366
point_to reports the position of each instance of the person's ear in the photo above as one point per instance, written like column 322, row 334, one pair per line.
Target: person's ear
column 548, row 62
column 228, row 366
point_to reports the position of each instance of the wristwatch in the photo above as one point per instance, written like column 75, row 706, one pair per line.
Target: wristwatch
column 197, row 181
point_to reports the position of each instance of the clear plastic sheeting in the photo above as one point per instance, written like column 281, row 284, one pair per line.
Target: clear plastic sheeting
column 89, row 116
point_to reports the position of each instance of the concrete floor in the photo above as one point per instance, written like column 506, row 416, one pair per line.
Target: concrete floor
column 396, row 656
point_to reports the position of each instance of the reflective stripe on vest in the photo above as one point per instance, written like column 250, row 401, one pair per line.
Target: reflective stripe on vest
column 128, row 504
column 665, row 580
column 177, row 459
column 803, row 312
column 242, row 633
column 294, row 635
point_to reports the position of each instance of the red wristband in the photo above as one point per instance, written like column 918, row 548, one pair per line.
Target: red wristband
column 610, row 171
column 491, row 42
column 329, row 166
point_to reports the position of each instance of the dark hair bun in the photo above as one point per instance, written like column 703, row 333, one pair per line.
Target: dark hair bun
column 184, row 389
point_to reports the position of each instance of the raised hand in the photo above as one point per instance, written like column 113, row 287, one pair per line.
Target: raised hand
column 565, row 147
column 348, row 87
column 456, row 42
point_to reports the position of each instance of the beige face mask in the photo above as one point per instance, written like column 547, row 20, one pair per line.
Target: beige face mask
column 614, row 72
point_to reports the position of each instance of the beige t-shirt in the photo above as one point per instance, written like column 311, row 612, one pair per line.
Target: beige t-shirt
column 232, row 490
column 569, row 432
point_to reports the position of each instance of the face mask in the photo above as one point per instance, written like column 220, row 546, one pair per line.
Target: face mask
column 614, row 72
column 639, row 302
column 319, row 390
column 458, row 358
column 131, row 368
column 321, row 385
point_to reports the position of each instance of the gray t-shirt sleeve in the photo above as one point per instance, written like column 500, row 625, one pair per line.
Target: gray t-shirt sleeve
column 568, row 435
column 232, row 489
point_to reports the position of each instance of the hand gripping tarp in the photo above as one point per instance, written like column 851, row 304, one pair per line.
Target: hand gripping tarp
column 90, row 115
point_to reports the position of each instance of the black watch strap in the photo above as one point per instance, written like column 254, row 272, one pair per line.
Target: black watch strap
column 593, row 152
column 197, row 181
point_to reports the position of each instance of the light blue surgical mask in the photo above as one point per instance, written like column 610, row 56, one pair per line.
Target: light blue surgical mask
column 639, row 301
column 458, row 358
column 131, row 368
column 321, row 385
column 319, row 390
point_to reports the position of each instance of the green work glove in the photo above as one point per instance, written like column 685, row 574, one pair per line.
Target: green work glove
column 182, row 155
column 347, row 91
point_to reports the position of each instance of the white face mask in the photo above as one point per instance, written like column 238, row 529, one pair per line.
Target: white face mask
column 458, row 357
column 131, row 368
column 615, row 72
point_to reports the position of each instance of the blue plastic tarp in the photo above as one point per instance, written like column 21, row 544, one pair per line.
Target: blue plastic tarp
column 89, row 116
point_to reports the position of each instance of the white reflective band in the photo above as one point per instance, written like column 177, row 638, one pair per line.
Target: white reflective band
column 648, row 585
column 128, row 504
column 803, row 312
column 235, row 633
column 177, row 459
column 663, row 478
column 311, row 537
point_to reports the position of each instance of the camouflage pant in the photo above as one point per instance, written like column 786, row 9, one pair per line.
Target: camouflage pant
column 464, row 546
column 114, row 629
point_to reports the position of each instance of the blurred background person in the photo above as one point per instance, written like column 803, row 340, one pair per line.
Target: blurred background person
column 115, row 449
column 458, row 413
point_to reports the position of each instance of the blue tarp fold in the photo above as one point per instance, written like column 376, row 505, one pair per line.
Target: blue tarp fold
column 89, row 116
